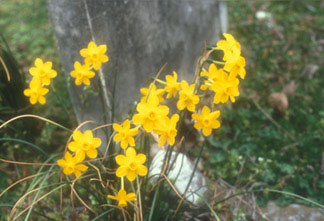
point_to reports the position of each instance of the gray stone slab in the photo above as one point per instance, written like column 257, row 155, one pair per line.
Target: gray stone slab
column 141, row 36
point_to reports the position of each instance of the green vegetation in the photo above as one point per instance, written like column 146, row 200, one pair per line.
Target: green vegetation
column 262, row 142
column 275, row 147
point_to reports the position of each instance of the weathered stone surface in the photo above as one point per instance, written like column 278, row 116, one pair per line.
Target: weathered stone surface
column 180, row 175
column 293, row 212
column 141, row 37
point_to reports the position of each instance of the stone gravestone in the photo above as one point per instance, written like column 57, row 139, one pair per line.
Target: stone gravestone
column 141, row 36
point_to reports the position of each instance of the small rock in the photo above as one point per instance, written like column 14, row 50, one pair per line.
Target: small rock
column 293, row 212
column 310, row 70
column 290, row 89
column 180, row 175
column 279, row 102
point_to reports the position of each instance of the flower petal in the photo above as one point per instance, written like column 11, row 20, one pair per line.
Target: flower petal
column 92, row 153
column 140, row 158
column 96, row 142
column 121, row 160
column 117, row 127
column 131, row 175
column 131, row 152
column 121, row 171
column 141, row 170
column 77, row 135
column 81, row 167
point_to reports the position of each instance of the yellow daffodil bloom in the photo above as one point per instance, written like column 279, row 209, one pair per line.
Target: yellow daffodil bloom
column 172, row 85
column 94, row 55
column 122, row 197
column 125, row 134
column 84, row 144
column 43, row 71
column 152, row 92
column 230, row 47
column 82, row 73
column 234, row 62
column 211, row 76
column 150, row 113
column 187, row 98
column 131, row 164
column 224, row 87
column 167, row 130
column 72, row 165
column 236, row 68
column 206, row 120
column 36, row 92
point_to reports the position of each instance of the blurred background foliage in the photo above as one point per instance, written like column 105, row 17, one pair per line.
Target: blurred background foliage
column 271, row 137
column 25, row 34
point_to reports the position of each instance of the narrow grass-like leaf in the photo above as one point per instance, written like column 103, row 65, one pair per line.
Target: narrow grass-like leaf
column 103, row 214
column 28, row 143
column 34, row 202
column 37, row 117
column 18, row 207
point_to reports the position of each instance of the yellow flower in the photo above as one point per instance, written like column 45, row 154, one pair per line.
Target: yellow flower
column 94, row 55
column 82, row 73
column 123, row 197
column 84, row 144
column 150, row 113
column 131, row 164
column 43, row 71
column 36, row 92
column 224, row 87
column 211, row 76
column 235, row 68
column 152, row 92
column 72, row 165
column 235, row 63
column 206, row 120
column 230, row 47
column 167, row 130
column 187, row 98
column 172, row 85
column 125, row 134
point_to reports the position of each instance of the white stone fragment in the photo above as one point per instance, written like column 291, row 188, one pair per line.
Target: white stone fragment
column 180, row 175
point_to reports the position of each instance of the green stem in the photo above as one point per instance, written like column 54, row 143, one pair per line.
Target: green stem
column 122, row 182
column 154, row 202
column 195, row 168
column 139, row 196
column 217, row 62
column 160, row 81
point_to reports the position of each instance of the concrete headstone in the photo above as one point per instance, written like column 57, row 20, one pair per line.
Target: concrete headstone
column 141, row 37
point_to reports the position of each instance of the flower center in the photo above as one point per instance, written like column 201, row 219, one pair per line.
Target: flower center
column 206, row 122
column 133, row 166
column 123, row 135
column 152, row 116
column 86, row 146
column 172, row 133
column 70, row 168
column 41, row 73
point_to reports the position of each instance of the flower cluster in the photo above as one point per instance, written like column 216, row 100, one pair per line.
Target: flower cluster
column 83, row 144
column 42, row 74
column 223, row 81
column 94, row 56
column 153, row 116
